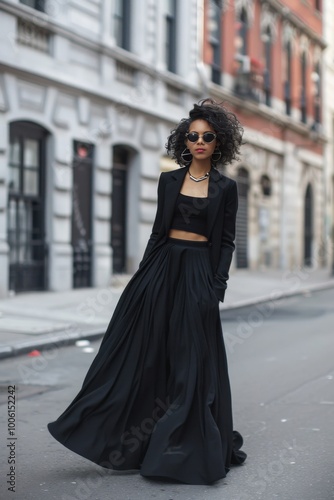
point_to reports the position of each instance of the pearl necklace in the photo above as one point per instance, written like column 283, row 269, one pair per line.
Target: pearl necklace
column 199, row 179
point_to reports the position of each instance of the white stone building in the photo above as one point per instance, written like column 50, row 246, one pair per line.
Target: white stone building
column 89, row 90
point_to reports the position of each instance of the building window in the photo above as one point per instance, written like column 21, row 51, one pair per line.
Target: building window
column 265, row 185
column 316, row 81
column 35, row 4
column 318, row 5
column 243, row 84
column 215, row 39
column 303, row 101
column 267, row 45
column 242, row 33
column 287, row 79
column 171, row 36
column 122, row 20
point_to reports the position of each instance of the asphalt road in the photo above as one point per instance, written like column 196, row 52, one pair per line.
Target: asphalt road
column 282, row 375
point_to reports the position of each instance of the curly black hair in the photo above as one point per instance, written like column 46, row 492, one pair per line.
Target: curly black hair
column 225, row 124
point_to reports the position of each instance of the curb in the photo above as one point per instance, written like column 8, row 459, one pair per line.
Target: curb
column 60, row 340
column 66, row 339
column 276, row 295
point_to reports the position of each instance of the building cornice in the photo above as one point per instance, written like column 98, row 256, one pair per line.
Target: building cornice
column 75, row 88
column 220, row 93
column 267, row 113
column 290, row 16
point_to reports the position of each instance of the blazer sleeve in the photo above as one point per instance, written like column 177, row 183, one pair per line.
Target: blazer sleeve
column 227, row 242
column 158, row 219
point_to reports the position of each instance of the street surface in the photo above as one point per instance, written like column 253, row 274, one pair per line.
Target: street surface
column 282, row 375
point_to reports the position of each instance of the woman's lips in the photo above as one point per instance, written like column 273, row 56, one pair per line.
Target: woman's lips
column 200, row 150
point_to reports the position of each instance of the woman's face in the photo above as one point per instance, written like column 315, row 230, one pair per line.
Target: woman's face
column 200, row 149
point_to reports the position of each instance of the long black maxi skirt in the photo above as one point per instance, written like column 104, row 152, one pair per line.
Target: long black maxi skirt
column 157, row 395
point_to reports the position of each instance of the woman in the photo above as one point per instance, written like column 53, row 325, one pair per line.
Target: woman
column 157, row 395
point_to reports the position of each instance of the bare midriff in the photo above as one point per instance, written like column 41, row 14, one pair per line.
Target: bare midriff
column 186, row 235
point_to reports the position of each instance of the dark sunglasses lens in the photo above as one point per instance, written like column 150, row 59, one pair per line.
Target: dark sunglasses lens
column 209, row 137
column 193, row 136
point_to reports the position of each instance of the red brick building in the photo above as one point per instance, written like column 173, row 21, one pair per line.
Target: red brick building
column 264, row 58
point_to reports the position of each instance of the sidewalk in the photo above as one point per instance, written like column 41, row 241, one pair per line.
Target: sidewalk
column 36, row 321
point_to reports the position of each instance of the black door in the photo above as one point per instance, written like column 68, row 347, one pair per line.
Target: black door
column 118, row 220
column 242, row 219
column 308, row 227
column 82, row 214
column 26, row 234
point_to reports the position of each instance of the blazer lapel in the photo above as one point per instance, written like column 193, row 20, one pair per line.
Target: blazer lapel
column 216, row 185
column 172, row 190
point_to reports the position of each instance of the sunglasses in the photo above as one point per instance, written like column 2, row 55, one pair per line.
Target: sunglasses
column 207, row 136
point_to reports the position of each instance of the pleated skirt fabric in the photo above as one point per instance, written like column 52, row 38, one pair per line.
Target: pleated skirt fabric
column 157, row 395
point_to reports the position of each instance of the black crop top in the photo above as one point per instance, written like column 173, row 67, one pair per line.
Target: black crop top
column 190, row 214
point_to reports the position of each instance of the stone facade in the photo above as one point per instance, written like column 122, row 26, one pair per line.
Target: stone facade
column 64, row 70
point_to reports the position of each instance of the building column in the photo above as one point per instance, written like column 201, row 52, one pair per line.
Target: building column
column 59, row 191
column 101, row 248
column 289, row 195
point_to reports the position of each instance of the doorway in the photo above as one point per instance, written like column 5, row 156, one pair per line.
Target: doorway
column 308, row 226
column 26, row 207
column 83, row 154
column 242, row 219
column 119, row 208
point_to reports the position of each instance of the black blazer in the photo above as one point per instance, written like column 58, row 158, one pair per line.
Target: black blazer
column 222, row 210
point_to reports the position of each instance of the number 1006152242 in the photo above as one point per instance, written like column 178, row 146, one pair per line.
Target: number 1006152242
column 11, row 411
column 11, row 438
